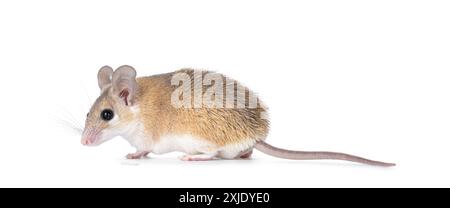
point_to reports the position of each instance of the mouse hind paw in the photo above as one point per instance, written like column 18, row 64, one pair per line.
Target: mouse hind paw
column 137, row 155
column 199, row 157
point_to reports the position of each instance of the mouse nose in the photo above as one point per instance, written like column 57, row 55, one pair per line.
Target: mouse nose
column 87, row 140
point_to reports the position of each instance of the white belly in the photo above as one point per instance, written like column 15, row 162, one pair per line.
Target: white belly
column 182, row 143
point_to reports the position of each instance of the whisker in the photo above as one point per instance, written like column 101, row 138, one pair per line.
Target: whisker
column 71, row 121
column 69, row 125
column 68, row 121
column 72, row 118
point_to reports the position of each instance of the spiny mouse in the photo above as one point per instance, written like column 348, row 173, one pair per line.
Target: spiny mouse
column 201, row 113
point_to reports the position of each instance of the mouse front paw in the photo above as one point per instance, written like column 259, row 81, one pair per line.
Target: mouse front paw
column 137, row 155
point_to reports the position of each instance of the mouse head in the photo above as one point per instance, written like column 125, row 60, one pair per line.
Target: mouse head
column 114, row 110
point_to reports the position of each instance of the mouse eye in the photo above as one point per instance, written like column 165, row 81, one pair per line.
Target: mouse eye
column 107, row 114
column 87, row 115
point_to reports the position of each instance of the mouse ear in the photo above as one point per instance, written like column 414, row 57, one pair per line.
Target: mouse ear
column 104, row 76
column 124, row 83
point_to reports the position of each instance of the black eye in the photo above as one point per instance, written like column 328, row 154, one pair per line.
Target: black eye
column 87, row 115
column 107, row 114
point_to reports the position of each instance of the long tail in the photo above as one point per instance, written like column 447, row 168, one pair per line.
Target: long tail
column 302, row 155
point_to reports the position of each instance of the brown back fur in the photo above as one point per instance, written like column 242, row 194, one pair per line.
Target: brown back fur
column 221, row 126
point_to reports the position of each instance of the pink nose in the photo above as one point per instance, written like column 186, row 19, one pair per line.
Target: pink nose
column 86, row 140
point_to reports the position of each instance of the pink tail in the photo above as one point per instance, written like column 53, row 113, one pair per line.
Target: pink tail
column 302, row 155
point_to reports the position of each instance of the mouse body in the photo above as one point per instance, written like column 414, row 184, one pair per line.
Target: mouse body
column 204, row 114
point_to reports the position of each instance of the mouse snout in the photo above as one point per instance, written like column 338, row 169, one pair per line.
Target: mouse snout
column 86, row 141
column 89, row 139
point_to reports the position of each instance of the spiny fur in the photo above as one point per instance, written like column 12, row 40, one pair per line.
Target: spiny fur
column 220, row 126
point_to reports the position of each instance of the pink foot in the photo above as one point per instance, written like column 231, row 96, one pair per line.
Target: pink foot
column 246, row 155
column 137, row 155
column 201, row 157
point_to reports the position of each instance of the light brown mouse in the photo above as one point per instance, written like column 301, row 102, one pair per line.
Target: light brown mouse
column 201, row 113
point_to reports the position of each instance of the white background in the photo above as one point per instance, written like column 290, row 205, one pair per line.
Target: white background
column 370, row 78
